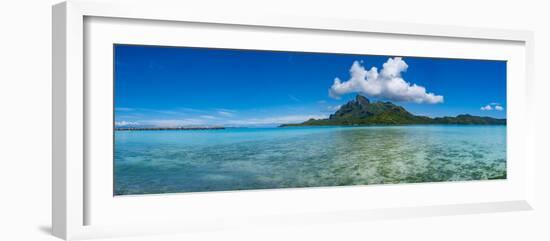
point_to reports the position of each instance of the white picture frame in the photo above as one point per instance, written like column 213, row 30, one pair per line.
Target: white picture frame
column 78, row 196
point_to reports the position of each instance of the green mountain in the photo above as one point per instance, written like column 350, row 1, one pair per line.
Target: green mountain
column 362, row 112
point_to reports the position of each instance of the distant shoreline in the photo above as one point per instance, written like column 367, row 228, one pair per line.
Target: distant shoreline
column 283, row 126
column 168, row 128
column 388, row 125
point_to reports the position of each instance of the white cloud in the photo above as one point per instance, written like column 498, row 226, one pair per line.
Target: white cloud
column 208, row 117
column 274, row 120
column 125, row 123
column 209, row 121
column 492, row 106
column 225, row 113
column 487, row 107
column 333, row 108
column 386, row 83
column 174, row 122
column 123, row 109
column 294, row 98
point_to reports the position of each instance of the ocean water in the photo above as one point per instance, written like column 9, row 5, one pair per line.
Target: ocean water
column 148, row 162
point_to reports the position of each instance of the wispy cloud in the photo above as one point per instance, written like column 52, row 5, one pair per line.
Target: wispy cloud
column 386, row 83
column 331, row 108
column 294, row 98
column 174, row 122
column 209, row 117
column 492, row 106
column 126, row 123
column 225, row 113
column 169, row 112
column 206, row 120
column 123, row 109
column 274, row 120
column 177, row 112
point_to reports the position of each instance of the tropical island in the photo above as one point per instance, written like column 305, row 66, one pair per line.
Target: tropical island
column 361, row 111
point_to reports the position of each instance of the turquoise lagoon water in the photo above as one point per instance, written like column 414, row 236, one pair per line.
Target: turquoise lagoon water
column 148, row 162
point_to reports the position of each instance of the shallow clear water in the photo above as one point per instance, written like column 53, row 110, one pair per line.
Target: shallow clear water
column 257, row 158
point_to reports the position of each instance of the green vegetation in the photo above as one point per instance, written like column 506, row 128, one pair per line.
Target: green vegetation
column 362, row 112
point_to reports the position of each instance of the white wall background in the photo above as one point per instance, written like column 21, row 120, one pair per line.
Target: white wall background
column 25, row 107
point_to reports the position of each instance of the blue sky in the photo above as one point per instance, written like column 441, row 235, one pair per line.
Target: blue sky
column 178, row 86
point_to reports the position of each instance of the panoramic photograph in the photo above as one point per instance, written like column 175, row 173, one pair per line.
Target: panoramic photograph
column 190, row 119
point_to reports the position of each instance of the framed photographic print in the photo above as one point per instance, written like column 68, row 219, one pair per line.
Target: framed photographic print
column 193, row 122
column 204, row 119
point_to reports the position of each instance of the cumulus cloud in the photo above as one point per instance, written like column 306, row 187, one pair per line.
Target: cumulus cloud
column 492, row 106
column 487, row 107
column 386, row 83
